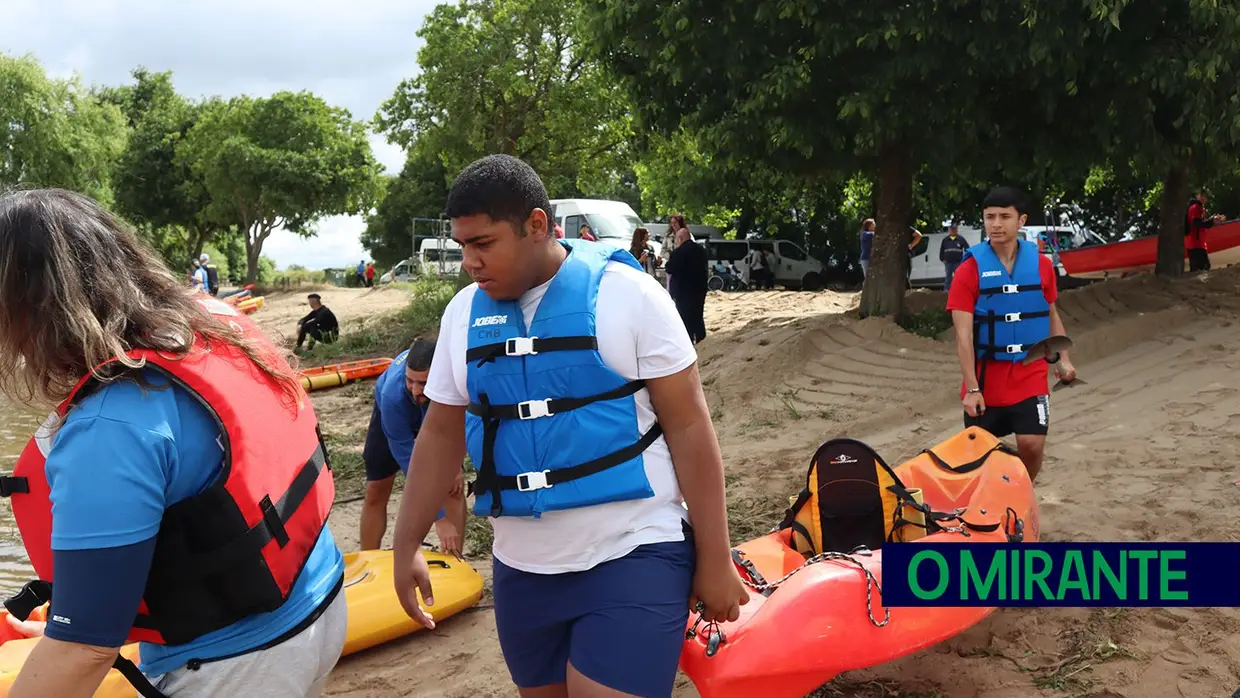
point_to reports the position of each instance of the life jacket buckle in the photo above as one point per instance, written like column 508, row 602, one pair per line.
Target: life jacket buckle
column 1015, row 348
column 519, row 346
column 536, row 480
column 1010, row 288
column 1012, row 317
column 533, row 409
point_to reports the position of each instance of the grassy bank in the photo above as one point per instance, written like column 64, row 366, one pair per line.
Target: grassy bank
column 390, row 334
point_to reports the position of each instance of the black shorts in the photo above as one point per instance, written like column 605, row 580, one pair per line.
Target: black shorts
column 1198, row 260
column 380, row 465
column 1032, row 416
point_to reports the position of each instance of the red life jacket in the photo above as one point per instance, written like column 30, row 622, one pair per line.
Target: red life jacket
column 235, row 549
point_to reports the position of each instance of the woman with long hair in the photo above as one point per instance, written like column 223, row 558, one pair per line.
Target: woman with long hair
column 184, row 462
column 641, row 248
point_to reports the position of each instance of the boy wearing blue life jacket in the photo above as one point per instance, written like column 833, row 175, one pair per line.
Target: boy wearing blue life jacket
column 568, row 376
column 395, row 420
column 1002, row 301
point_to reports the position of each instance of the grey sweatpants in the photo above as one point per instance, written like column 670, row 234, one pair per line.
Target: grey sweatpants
column 295, row 668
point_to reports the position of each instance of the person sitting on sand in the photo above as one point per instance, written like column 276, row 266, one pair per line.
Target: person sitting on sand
column 319, row 324
column 178, row 426
column 399, row 408
column 1002, row 300
column 595, row 563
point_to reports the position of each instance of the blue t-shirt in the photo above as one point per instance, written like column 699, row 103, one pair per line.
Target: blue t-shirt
column 400, row 416
column 124, row 454
column 867, row 243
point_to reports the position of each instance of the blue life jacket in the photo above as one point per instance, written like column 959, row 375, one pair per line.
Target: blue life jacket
column 1011, row 313
column 549, row 425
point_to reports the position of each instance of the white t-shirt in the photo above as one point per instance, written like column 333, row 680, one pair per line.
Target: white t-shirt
column 640, row 335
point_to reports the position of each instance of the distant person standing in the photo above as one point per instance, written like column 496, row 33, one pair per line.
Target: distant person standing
column 641, row 248
column 585, row 233
column 319, row 324
column 212, row 274
column 951, row 253
column 1195, row 235
column 867, row 245
column 688, row 269
column 361, row 273
column 370, row 275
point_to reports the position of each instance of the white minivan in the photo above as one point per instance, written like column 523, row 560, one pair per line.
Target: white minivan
column 439, row 256
column 612, row 222
column 794, row 267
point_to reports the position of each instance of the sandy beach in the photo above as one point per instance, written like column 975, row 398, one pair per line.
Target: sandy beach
column 1143, row 452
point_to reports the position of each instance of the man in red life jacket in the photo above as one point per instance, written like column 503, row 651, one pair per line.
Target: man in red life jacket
column 1195, row 232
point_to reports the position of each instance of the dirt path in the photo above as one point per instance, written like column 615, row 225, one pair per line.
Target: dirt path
column 1141, row 453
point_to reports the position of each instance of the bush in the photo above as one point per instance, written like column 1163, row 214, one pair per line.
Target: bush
column 931, row 322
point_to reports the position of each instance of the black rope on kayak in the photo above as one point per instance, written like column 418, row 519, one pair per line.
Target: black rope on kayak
column 715, row 636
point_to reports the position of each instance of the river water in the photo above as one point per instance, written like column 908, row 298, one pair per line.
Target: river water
column 16, row 428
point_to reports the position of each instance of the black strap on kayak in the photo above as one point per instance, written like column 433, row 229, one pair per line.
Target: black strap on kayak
column 136, row 678
column 739, row 558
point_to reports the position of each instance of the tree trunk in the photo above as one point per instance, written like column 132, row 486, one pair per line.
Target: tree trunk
column 252, row 250
column 883, row 292
column 1173, row 210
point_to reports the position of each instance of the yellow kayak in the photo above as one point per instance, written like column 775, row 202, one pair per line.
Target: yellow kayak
column 375, row 615
column 14, row 649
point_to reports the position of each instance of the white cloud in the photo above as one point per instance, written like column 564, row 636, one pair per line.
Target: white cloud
column 351, row 54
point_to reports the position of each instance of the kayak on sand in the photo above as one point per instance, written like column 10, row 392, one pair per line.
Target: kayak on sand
column 815, row 599
column 333, row 375
column 375, row 615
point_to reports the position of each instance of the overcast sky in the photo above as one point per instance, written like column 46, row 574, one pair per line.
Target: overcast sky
column 351, row 54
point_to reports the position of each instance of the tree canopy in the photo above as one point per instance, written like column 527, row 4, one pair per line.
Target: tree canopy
column 279, row 162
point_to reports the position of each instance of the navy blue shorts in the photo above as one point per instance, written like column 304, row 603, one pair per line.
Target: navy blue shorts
column 380, row 464
column 621, row 624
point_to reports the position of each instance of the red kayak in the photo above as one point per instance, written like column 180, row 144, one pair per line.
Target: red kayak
column 1137, row 256
column 823, row 615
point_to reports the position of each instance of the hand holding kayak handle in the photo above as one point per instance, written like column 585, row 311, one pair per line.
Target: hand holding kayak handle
column 411, row 580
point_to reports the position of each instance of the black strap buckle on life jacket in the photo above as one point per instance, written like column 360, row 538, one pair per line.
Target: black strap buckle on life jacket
column 10, row 485
column 989, row 350
column 536, row 345
column 488, row 479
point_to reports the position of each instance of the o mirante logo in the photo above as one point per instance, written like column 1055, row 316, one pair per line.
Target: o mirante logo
column 1062, row 574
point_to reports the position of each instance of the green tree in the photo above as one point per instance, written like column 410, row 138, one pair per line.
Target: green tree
column 1168, row 82
column 153, row 184
column 283, row 161
column 419, row 191
column 821, row 91
column 514, row 77
column 56, row 134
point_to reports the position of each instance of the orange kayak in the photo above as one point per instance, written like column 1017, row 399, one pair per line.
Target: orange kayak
column 333, row 375
column 817, row 623
column 14, row 649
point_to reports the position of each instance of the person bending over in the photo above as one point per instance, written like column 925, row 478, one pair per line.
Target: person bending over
column 395, row 420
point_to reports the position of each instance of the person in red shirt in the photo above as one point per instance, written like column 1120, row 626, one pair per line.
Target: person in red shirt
column 1195, row 232
column 999, row 393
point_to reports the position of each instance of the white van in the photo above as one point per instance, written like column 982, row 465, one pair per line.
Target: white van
column 612, row 222
column 440, row 256
column 794, row 267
